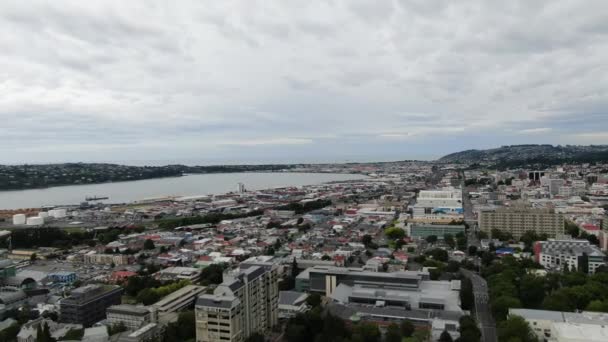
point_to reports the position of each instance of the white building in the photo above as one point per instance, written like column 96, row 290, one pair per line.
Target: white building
column 438, row 204
column 556, row 326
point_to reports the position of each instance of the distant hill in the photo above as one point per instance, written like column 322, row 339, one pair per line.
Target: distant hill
column 520, row 155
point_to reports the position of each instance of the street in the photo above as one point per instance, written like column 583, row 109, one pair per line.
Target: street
column 482, row 311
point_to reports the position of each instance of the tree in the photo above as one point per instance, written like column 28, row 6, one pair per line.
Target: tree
column 314, row 300
column 394, row 233
column 294, row 268
column 33, row 257
column 472, row 250
column 532, row 291
column 501, row 305
column 466, row 294
column 431, row 239
column 393, row 334
column 367, row 332
column 326, row 257
column 469, row 332
column 449, row 240
column 515, row 328
column 407, row 328
column 149, row 244
column 445, row 337
column 43, row 333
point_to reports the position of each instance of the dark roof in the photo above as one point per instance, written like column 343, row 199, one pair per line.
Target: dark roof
column 216, row 301
column 290, row 297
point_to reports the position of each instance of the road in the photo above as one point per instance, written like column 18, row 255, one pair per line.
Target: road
column 483, row 314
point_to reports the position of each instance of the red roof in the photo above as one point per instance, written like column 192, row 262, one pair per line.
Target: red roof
column 590, row 227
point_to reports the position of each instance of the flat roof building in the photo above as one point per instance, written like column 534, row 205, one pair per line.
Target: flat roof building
column 87, row 305
column 518, row 220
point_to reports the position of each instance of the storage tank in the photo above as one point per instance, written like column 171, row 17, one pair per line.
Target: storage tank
column 43, row 214
column 35, row 221
column 19, row 219
column 58, row 213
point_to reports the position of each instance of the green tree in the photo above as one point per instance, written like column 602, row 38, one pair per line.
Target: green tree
column 449, row 240
column 33, row 257
column 366, row 240
column 407, row 328
column 431, row 239
column 532, row 291
column 149, row 244
column 394, row 233
column 501, row 305
column 367, row 332
column 472, row 250
column 314, row 300
column 467, row 300
column 597, row 306
column 445, row 337
column 393, row 333
column 515, row 328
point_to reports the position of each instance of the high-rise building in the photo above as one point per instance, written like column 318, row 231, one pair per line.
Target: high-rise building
column 87, row 305
column 518, row 220
column 245, row 302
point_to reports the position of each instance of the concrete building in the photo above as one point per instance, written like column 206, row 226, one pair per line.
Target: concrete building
column 438, row 205
column 149, row 332
column 246, row 302
column 132, row 316
column 556, row 326
column 518, row 220
column 106, row 259
column 577, row 254
column 87, row 305
column 423, row 230
column 179, row 299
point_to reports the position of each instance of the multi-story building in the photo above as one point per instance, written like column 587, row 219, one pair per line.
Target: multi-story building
column 518, row 220
column 87, row 305
column 423, row 230
column 132, row 316
column 576, row 254
column 438, row 205
column 106, row 259
column 387, row 297
column 178, row 300
column 246, row 302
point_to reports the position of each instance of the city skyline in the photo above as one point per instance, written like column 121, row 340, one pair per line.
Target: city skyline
column 276, row 82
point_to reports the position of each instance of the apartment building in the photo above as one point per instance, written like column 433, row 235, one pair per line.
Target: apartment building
column 87, row 305
column 576, row 254
column 246, row 302
column 423, row 230
column 518, row 220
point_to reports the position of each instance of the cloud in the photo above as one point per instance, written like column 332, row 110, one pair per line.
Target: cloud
column 234, row 79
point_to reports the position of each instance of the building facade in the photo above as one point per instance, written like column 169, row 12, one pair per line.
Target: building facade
column 87, row 305
column 132, row 316
column 246, row 302
column 575, row 254
column 519, row 220
column 422, row 231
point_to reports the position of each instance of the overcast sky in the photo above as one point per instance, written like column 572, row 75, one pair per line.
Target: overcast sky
column 289, row 81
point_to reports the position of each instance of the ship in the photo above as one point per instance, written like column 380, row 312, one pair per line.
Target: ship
column 96, row 198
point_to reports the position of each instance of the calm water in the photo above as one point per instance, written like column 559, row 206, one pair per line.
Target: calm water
column 122, row 192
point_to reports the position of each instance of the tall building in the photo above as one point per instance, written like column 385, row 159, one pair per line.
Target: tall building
column 87, row 305
column 244, row 303
column 577, row 254
column 438, row 205
column 518, row 220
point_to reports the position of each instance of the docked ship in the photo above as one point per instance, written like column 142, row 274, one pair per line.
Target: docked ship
column 96, row 198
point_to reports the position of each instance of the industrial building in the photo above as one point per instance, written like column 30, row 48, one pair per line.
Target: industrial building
column 518, row 220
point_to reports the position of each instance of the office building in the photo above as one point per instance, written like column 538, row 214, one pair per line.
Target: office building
column 423, row 230
column 132, row 316
column 576, row 254
column 518, row 220
column 246, row 302
column 438, row 205
column 385, row 298
column 292, row 303
column 87, row 305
